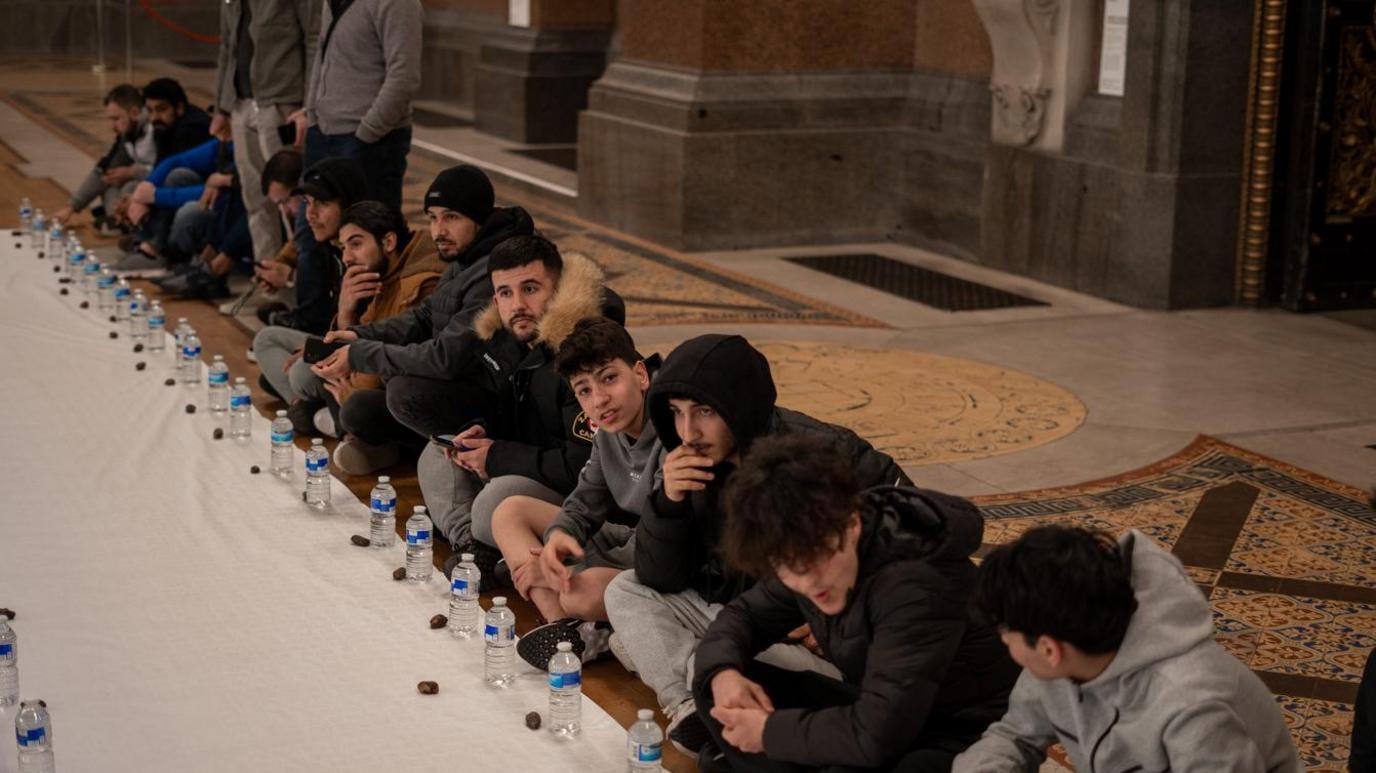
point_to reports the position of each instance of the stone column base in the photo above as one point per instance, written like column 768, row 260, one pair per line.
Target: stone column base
column 530, row 84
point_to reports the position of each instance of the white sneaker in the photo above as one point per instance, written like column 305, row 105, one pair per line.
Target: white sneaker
column 251, row 356
column 686, row 731
column 595, row 640
column 324, row 422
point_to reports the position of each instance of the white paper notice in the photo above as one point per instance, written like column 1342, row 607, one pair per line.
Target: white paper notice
column 518, row 13
column 1113, row 54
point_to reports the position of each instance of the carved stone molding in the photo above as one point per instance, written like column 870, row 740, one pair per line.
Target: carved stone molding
column 1023, row 35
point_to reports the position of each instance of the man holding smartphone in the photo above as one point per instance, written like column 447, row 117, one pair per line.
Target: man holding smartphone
column 266, row 48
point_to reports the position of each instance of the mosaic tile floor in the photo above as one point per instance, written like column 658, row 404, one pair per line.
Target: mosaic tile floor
column 1285, row 556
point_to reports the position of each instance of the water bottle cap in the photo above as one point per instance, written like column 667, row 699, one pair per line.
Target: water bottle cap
column 645, row 715
column 315, row 441
column 238, row 380
column 281, row 414
column 383, row 479
column 418, row 509
column 218, row 357
column 499, row 601
column 466, row 558
column 564, row 646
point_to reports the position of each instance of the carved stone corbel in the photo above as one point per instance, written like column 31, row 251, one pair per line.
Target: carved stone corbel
column 1022, row 34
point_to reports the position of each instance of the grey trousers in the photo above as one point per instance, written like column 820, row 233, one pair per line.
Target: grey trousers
column 272, row 346
column 461, row 505
column 661, row 631
column 255, row 141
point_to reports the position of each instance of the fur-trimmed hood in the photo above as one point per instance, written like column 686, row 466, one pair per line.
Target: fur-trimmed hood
column 579, row 295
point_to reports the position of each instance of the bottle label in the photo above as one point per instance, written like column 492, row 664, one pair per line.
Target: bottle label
column 384, row 505
column 282, row 437
column 92, row 268
column 218, row 378
column 190, row 352
column 495, row 634
column 121, row 293
column 416, row 537
column 459, row 587
column 6, row 649
column 32, row 736
column 560, row 681
column 105, row 282
column 240, row 401
column 646, row 752
column 157, row 321
column 316, row 465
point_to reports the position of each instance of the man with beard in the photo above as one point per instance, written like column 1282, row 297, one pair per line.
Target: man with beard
column 130, row 158
column 178, row 125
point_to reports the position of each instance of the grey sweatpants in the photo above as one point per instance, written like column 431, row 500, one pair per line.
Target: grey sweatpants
column 661, row 631
column 461, row 505
column 272, row 346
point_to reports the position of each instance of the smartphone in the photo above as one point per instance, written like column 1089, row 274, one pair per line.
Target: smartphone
column 287, row 133
column 317, row 349
column 448, row 441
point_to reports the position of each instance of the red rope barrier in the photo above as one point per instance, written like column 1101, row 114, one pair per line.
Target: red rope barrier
column 147, row 7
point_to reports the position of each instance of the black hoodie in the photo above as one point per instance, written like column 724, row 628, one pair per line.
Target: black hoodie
column 432, row 338
column 924, row 668
column 676, row 545
column 191, row 129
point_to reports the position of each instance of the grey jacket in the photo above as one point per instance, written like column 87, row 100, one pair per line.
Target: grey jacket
column 140, row 153
column 369, row 69
column 1172, row 699
column 284, row 37
column 619, row 477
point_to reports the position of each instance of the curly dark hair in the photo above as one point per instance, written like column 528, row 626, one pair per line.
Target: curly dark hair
column 788, row 505
column 379, row 220
column 1064, row 582
column 593, row 343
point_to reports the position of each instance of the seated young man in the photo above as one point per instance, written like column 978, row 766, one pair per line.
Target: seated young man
column 710, row 401
column 882, row 578
column 1121, row 665
column 388, row 269
column 328, row 187
column 424, row 352
column 130, row 158
column 529, row 436
column 273, row 276
column 594, row 525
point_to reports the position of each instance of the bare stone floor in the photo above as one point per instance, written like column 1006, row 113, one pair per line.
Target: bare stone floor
column 1259, row 425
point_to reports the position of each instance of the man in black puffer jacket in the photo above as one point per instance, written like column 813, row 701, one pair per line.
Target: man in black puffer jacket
column 882, row 579
column 422, row 353
column 710, row 401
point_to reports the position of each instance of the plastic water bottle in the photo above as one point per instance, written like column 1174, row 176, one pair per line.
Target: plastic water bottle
column 419, row 545
column 644, row 744
column 217, row 385
column 157, row 327
column 138, row 317
column 463, row 598
column 89, row 274
column 565, row 691
column 33, row 729
column 191, row 359
column 499, row 632
column 240, row 402
column 122, row 297
column 76, row 258
column 382, row 517
column 9, row 665
column 38, row 231
column 318, row 475
column 25, row 213
column 54, row 242
column 105, row 291
column 280, row 462
column 179, row 338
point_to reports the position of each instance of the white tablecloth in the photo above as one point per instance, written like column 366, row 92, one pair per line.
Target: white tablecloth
column 180, row 614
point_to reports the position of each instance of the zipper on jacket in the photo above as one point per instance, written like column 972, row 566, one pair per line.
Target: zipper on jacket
column 1099, row 742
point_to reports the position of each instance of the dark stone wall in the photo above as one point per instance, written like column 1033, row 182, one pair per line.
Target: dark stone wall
column 68, row 28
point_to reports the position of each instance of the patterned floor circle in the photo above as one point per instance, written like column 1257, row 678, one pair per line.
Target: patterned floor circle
column 922, row 408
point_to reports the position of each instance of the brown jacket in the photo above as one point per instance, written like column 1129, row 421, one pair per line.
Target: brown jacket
column 406, row 282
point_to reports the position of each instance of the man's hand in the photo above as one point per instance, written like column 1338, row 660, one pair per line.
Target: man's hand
column 272, row 275
column 340, row 389
column 742, row 728
column 731, row 690
column 299, row 118
column 341, row 335
column 531, row 575
column 292, row 358
column 135, row 212
column 359, row 284
column 219, row 180
column 117, row 175
column 475, row 460
column 144, row 193
column 220, row 264
column 219, row 123
column 685, row 470
column 63, row 215
column 335, row 367
column 561, row 546
column 803, row 635
column 208, row 197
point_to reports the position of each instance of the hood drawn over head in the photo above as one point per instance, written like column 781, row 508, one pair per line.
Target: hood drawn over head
column 721, row 371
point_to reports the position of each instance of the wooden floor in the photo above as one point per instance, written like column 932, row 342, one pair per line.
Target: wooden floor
column 618, row 692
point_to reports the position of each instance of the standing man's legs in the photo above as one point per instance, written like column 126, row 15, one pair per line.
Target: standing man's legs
column 255, row 140
column 386, row 162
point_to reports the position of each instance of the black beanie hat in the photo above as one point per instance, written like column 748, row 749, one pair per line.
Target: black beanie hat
column 335, row 179
column 464, row 189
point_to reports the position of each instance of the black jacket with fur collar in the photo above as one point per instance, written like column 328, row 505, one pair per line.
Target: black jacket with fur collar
column 539, row 431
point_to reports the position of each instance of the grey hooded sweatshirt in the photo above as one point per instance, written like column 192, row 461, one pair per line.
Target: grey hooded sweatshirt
column 1171, row 700
column 619, row 477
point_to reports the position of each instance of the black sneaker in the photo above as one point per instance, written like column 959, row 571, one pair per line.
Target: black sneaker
column 540, row 644
column 712, row 760
column 302, row 415
column 687, row 731
column 486, row 559
column 266, row 311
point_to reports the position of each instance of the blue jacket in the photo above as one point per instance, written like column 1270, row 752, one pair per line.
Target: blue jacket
column 202, row 159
